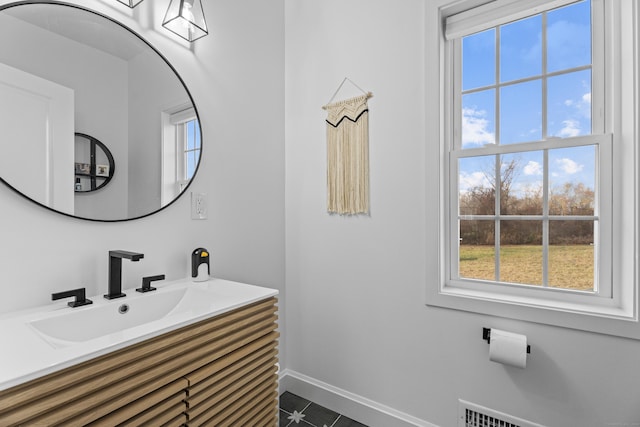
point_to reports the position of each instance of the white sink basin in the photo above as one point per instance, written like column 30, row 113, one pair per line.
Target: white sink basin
column 45, row 339
column 91, row 322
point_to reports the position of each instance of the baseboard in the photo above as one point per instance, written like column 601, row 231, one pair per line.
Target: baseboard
column 359, row 408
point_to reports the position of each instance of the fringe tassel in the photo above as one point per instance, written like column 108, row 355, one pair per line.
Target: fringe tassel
column 348, row 157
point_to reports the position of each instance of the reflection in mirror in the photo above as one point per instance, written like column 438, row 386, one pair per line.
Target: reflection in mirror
column 94, row 165
column 72, row 70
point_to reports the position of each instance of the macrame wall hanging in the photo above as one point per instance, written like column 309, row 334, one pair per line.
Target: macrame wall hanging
column 348, row 154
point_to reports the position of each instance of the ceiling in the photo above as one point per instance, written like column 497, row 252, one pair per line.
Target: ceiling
column 76, row 24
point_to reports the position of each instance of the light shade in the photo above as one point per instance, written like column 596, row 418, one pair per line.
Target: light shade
column 131, row 3
column 186, row 19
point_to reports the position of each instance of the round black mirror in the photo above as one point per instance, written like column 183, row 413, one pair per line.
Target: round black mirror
column 74, row 70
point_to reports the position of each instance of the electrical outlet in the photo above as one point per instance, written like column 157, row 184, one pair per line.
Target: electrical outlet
column 198, row 206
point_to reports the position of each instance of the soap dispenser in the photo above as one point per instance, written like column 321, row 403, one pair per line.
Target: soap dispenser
column 200, row 265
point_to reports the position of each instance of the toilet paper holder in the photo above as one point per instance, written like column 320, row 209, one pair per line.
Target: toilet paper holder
column 486, row 335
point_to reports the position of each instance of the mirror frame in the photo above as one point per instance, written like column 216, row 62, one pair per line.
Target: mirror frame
column 157, row 52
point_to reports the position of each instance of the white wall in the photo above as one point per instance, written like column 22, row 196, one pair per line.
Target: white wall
column 236, row 77
column 356, row 316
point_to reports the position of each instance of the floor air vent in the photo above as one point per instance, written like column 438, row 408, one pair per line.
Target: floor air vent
column 472, row 415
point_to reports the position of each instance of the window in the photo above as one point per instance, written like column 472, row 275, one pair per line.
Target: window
column 527, row 154
column 532, row 161
column 181, row 150
column 188, row 142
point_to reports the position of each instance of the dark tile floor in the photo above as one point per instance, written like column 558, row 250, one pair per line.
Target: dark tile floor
column 296, row 411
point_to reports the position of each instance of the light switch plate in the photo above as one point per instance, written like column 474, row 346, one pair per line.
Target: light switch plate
column 198, row 206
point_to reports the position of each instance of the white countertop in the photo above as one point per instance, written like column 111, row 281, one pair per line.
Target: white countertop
column 27, row 355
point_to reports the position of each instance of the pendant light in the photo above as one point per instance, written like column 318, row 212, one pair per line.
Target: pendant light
column 130, row 3
column 186, row 19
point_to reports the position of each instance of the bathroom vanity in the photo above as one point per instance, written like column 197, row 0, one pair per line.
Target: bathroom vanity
column 207, row 357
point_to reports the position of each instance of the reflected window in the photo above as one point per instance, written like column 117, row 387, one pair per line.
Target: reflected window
column 188, row 142
column 182, row 146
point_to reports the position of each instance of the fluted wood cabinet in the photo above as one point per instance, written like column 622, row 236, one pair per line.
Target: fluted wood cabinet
column 218, row 372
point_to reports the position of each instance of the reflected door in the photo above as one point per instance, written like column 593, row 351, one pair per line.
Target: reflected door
column 37, row 138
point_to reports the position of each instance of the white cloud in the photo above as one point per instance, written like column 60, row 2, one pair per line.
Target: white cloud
column 474, row 128
column 583, row 105
column 468, row 181
column 576, row 110
column 568, row 166
column 532, row 168
column 571, row 128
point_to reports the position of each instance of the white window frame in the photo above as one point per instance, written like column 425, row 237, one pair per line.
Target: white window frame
column 614, row 308
column 174, row 142
column 179, row 120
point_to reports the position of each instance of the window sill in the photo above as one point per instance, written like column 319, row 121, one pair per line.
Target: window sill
column 602, row 318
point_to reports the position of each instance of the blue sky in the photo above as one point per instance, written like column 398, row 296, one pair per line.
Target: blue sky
column 568, row 96
column 193, row 145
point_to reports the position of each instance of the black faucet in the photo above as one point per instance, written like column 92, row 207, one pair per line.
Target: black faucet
column 115, row 271
column 80, row 296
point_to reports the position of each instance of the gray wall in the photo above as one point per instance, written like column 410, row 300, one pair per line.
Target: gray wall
column 356, row 286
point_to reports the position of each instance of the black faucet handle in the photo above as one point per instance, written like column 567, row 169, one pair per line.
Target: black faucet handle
column 79, row 294
column 146, row 283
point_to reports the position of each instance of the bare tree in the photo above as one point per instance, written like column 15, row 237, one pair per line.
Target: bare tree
column 480, row 200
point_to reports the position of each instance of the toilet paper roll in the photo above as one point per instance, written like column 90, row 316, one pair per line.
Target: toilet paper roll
column 508, row 348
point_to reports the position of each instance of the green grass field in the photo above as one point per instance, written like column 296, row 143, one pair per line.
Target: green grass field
column 570, row 267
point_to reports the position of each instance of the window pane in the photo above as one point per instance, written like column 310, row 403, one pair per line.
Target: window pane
column 478, row 119
column 569, row 36
column 521, row 181
column 571, row 255
column 476, row 185
column 198, row 138
column 192, row 161
column 521, row 252
column 191, row 135
column 479, row 60
column 477, row 250
column 569, row 104
column 572, row 180
column 521, row 112
column 521, row 49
